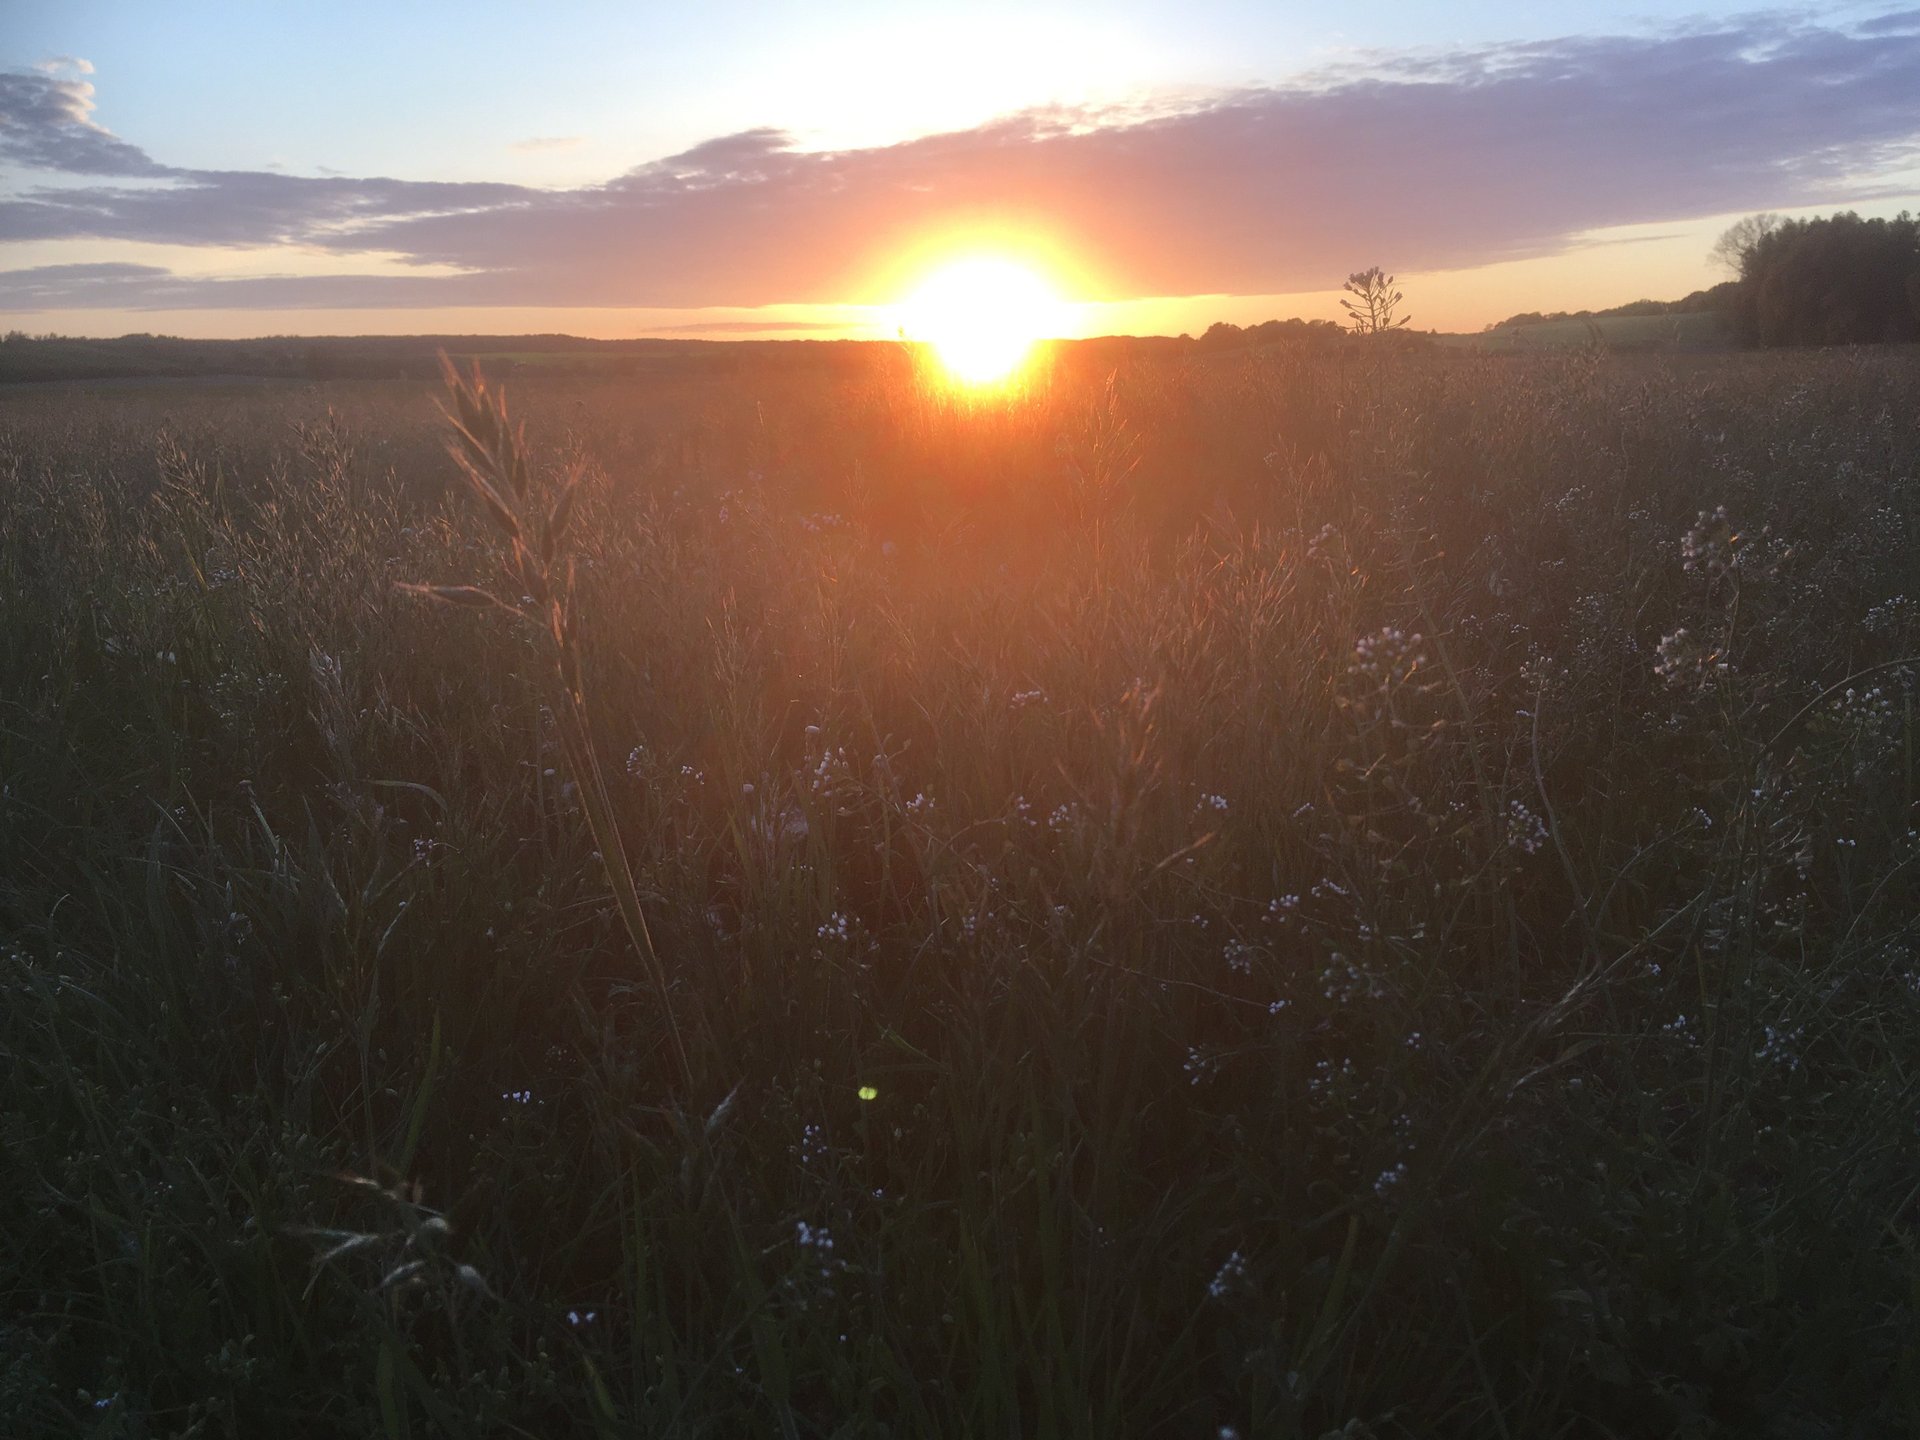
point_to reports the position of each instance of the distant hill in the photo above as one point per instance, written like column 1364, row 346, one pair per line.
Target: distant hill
column 1717, row 300
column 1674, row 330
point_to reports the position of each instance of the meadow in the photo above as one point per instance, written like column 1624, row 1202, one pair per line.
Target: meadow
column 1288, row 894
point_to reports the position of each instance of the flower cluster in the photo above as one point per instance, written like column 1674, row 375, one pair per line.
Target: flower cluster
column 1231, row 1276
column 1387, row 657
column 1526, row 831
column 1687, row 663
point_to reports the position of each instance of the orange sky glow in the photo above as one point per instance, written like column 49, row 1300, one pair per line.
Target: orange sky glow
column 1611, row 267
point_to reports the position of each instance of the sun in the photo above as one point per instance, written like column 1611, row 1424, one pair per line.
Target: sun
column 982, row 316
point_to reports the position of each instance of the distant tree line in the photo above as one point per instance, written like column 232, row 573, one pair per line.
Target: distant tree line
column 1836, row 280
column 1313, row 333
column 1222, row 336
column 1831, row 280
column 1719, row 297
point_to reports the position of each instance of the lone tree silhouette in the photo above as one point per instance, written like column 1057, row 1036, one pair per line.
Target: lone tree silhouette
column 1371, row 311
column 1741, row 239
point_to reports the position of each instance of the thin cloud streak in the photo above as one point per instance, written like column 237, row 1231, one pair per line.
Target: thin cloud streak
column 1423, row 163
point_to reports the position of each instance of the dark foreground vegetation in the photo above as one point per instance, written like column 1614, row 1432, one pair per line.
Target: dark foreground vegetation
column 1369, row 894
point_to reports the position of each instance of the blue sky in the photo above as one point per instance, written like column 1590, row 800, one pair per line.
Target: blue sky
column 299, row 162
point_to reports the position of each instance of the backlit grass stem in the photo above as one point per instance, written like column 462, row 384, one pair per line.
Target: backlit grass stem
column 493, row 459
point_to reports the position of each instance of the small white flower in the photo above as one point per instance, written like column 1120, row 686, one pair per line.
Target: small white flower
column 1231, row 1275
column 1526, row 831
column 1389, row 1178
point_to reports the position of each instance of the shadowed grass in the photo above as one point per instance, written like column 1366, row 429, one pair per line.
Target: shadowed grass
column 1297, row 895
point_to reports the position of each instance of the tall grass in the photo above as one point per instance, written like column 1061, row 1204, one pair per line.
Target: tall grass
column 1282, row 897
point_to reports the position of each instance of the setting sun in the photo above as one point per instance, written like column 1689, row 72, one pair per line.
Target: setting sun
column 982, row 316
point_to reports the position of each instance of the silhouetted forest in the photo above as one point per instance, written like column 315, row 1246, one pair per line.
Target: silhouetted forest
column 1836, row 280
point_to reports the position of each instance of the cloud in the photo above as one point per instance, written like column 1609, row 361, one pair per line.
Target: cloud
column 1898, row 22
column 54, row 64
column 46, row 123
column 538, row 143
column 755, row 327
column 1425, row 162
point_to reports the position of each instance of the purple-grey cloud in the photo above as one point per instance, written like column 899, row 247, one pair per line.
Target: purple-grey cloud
column 1428, row 162
column 1898, row 22
column 46, row 123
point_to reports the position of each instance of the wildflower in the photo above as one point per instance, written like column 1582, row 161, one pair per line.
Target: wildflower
column 1341, row 980
column 1526, row 831
column 816, row 1246
column 1781, row 1047
column 1326, row 1077
column 1681, row 1028
column 1686, row 663
column 830, row 772
column 1390, row 1178
column 1231, row 1276
column 1709, row 543
column 1386, row 658
column 1892, row 615
column 1199, row 1065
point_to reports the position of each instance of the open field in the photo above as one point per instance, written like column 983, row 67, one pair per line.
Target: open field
column 1286, row 895
column 1701, row 330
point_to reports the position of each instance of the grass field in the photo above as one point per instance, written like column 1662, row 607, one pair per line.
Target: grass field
column 1356, row 895
column 1701, row 330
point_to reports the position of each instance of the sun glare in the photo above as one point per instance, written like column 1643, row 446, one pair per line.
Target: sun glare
column 982, row 317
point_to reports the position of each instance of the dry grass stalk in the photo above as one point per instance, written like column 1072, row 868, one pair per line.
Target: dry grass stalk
column 493, row 459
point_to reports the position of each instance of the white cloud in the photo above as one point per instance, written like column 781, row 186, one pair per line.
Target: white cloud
column 540, row 143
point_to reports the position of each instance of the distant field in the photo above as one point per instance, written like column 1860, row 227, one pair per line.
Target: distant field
column 1305, row 894
column 1702, row 330
column 417, row 357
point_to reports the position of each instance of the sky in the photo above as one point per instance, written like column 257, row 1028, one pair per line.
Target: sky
column 728, row 170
